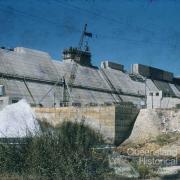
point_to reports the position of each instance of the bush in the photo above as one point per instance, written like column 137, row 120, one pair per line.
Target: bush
column 164, row 139
column 62, row 153
column 143, row 170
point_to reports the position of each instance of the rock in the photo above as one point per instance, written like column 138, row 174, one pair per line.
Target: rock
column 151, row 123
column 167, row 171
column 122, row 167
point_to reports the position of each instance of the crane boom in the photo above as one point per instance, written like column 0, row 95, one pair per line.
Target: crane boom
column 82, row 37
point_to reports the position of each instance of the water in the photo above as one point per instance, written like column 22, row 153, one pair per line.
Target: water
column 18, row 120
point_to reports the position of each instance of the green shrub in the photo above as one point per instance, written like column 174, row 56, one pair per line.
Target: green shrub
column 143, row 170
column 164, row 139
column 62, row 153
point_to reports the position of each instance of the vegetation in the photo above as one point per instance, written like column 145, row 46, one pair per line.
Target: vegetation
column 167, row 138
column 63, row 153
column 144, row 170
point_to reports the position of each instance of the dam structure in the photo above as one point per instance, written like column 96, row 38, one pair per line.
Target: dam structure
column 36, row 77
column 107, row 98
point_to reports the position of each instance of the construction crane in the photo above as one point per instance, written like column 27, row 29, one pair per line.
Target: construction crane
column 67, row 85
column 84, row 33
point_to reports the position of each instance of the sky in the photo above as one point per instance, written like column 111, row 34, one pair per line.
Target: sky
column 124, row 31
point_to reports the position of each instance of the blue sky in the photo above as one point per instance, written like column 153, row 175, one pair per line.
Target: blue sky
column 124, row 31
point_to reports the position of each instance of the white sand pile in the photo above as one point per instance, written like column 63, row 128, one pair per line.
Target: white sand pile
column 18, row 120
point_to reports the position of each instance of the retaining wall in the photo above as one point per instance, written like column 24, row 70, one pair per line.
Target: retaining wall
column 114, row 123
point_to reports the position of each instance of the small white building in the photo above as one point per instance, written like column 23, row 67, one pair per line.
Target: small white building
column 154, row 99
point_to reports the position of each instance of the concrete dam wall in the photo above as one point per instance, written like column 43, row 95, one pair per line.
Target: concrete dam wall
column 106, row 98
column 114, row 123
column 30, row 74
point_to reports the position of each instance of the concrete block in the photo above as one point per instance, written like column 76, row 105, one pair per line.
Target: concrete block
column 151, row 72
column 112, row 65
